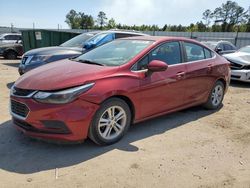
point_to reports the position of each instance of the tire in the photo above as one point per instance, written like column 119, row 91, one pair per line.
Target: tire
column 216, row 96
column 10, row 55
column 107, row 128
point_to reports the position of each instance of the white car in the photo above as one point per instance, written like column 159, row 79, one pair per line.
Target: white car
column 10, row 38
column 240, row 64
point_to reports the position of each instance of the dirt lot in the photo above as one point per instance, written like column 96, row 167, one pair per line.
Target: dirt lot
column 191, row 148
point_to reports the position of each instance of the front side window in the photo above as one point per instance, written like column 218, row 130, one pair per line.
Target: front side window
column 169, row 53
column 115, row 53
column 194, row 52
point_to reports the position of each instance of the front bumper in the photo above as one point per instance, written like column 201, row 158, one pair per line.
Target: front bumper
column 241, row 75
column 67, row 122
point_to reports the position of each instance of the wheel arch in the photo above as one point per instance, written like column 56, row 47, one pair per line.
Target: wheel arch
column 128, row 101
column 6, row 51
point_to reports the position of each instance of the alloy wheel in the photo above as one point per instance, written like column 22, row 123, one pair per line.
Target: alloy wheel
column 112, row 122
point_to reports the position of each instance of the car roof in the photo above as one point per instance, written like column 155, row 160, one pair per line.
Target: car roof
column 124, row 32
column 216, row 42
column 11, row 34
column 159, row 38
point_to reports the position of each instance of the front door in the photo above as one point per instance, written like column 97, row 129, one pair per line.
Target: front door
column 163, row 91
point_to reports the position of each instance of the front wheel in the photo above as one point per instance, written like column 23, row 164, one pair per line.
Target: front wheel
column 216, row 96
column 10, row 55
column 110, row 122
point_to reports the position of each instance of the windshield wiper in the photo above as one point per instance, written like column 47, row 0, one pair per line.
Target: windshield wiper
column 87, row 61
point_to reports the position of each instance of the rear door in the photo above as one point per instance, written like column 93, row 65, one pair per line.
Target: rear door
column 199, row 80
column 163, row 91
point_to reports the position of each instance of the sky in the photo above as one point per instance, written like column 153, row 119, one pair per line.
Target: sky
column 50, row 13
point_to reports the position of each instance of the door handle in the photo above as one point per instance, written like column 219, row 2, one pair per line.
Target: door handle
column 180, row 75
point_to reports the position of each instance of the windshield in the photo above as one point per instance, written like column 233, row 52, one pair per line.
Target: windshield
column 1, row 36
column 245, row 49
column 115, row 53
column 78, row 40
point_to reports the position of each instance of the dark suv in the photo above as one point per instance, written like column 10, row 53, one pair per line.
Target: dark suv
column 221, row 47
column 71, row 48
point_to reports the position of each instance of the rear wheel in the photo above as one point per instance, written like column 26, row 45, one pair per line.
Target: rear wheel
column 110, row 122
column 216, row 96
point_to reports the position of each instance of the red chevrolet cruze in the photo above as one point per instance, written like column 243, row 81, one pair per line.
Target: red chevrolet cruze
column 100, row 93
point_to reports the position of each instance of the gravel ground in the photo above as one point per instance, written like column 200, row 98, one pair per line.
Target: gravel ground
column 191, row 148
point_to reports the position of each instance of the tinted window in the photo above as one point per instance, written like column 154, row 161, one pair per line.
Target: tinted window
column 123, row 35
column 194, row 52
column 8, row 37
column 227, row 47
column 12, row 37
column 168, row 52
column 220, row 46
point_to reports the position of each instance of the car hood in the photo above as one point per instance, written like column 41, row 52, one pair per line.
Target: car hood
column 239, row 57
column 54, row 50
column 62, row 74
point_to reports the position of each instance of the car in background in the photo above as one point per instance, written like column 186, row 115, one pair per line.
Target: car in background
column 240, row 64
column 101, row 92
column 11, row 50
column 10, row 38
column 71, row 48
column 221, row 47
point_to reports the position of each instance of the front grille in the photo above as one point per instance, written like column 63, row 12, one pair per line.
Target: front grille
column 235, row 66
column 246, row 67
column 24, row 59
column 19, row 108
column 22, row 92
column 235, row 76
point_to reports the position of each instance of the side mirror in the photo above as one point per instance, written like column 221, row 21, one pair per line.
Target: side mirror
column 218, row 50
column 157, row 66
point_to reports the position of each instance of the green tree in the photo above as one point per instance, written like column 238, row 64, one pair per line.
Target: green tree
column 79, row 20
column 230, row 15
column 111, row 23
column 71, row 19
column 101, row 19
column 207, row 16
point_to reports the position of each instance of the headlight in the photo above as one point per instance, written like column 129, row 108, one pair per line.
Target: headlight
column 61, row 97
column 39, row 58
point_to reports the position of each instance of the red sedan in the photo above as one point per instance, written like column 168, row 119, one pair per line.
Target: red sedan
column 100, row 93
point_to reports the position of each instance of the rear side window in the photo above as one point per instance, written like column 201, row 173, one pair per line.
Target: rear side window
column 208, row 53
column 124, row 35
column 194, row 52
